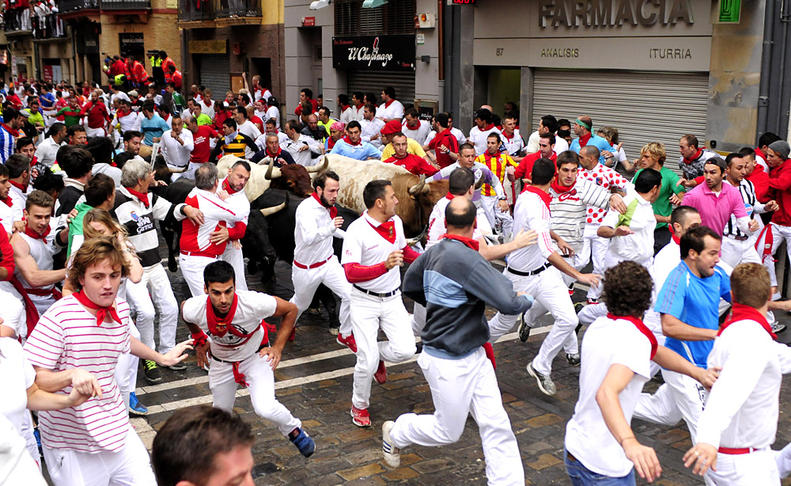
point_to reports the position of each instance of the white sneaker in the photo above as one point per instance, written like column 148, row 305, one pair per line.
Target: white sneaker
column 390, row 452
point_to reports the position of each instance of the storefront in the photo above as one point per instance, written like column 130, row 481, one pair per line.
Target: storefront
column 653, row 70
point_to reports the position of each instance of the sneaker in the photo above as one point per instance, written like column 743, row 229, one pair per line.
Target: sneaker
column 347, row 341
column 360, row 417
column 390, row 452
column 573, row 359
column 152, row 372
column 545, row 383
column 180, row 366
column 778, row 327
column 593, row 301
column 135, row 407
column 334, row 330
column 381, row 373
column 524, row 329
column 303, row 441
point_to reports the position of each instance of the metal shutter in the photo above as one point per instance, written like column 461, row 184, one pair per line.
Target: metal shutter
column 215, row 75
column 643, row 106
column 375, row 82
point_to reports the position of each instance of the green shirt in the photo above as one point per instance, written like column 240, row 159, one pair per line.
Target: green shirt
column 69, row 117
column 75, row 226
column 326, row 126
column 36, row 119
column 669, row 187
column 203, row 119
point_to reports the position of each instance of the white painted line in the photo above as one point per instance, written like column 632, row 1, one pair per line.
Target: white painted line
column 327, row 375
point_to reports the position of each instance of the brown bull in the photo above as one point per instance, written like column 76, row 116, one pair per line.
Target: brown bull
column 416, row 198
column 297, row 179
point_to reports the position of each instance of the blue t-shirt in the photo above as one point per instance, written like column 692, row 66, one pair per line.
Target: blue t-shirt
column 694, row 301
column 597, row 142
column 152, row 128
column 362, row 151
column 47, row 101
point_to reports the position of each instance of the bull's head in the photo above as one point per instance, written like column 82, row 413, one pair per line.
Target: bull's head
column 293, row 177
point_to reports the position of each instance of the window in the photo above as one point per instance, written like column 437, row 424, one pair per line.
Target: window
column 396, row 17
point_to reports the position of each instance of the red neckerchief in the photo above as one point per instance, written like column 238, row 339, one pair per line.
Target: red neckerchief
column 346, row 139
column 359, row 105
column 741, row 312
column 333, row 209
column 694, row 157
column 386, row 230
column 228, row 187
column 673, row 234
column 507, row 137
column 10, row 130
column 760, row 152
column 142, row 196
column 344, row 107
column 388, row 103
column 561, row 189
column 488, row 157
column 18, row 186
column 395, row 156
column 449, row 196
column 584, row 140
column 277, row 154
column 488, row 127
column 415, row 127
column 545, row 197
column 215, row 322
column 640, row 327
column 469, row 242
column 8, row 201
column 101, row 312
column 35, row 235
column 331, row 142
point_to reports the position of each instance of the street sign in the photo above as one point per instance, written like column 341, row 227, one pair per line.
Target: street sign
column 729, row 11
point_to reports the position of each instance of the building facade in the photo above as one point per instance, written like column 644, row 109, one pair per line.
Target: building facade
column 224, row 39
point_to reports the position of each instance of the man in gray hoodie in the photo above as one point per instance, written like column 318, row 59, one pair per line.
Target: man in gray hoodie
column 455, row 283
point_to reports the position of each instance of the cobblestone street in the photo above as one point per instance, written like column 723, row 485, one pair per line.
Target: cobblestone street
column 314, row 381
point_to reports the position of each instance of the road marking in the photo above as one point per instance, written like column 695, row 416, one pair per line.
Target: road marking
column 327, row 375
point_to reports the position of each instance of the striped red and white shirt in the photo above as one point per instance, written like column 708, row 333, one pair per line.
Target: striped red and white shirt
column 66, row 337
column 216, row 214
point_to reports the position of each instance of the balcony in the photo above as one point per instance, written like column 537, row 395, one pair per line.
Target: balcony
column 42, row 25
column 116, row 5
column 75, row 8
column 195, row 14
column 80, row 7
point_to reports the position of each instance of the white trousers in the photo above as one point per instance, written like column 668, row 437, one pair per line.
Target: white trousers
column 331, row 274
column 460, row 387
column 370, row 314
column 155, row 280
column 597, row 247
column 751, row 469
column 783, row 459
column 734, row 252
column 20, row 468
column 235, row 257
column 779, row 234
column 497, row 218
column 130, row 466
column 126, row 370
column 12, row 311
column 418, row 319
column 26, row 431
column 261, row 380
column 680, row 397
column 550, row 294
column 95, row 132
column 192, row 270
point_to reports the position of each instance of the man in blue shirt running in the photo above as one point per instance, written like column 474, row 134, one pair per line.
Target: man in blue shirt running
column 689, row 305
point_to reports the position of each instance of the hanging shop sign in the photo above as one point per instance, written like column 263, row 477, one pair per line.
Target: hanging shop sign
column 384, row 52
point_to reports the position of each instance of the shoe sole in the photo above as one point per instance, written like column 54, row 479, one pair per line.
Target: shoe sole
column 535, row 375
column 137, row 414
column 153, row 380
column 524, row 329
column 337, row 340
column 334, row 331
column 392, row 460
column 779, row 329
column 358, row 424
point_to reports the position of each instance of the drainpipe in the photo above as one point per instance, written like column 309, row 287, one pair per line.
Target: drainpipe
column 766, row 62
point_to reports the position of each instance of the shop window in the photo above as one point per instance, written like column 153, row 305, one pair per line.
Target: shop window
column 396, row 17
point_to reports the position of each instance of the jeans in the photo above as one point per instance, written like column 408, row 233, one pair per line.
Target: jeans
column 582, row 476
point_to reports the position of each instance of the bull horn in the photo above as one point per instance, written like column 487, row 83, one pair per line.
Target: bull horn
column 273, row 209
column 480, row 183
column 270, row 172
column 320, row 168
column 417, row 188
column 180, row 170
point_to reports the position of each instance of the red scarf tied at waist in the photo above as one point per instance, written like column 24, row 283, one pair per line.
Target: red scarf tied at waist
column 101, row 312
column 741, row 312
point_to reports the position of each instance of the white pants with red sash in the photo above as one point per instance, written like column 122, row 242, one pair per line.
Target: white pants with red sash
column 261, row 384
column 769, row 240
column 307, row 280
column 757, row 467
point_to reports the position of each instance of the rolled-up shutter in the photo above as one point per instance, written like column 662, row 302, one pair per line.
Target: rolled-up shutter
column 215, row 75
column 375, row 82
column 643, row 106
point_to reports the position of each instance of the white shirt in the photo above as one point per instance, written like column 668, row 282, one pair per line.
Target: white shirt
column 261, row 141
column 129, row 122
column 742, row 407
column 530, row 213
column 196, row 239
column 273, row 112
column 303, row 157
column 437, row 226
column 248, row 128
column 251, row 307
column 313, row 232
column 371, row 128
column 478, row 138
column 19, row 197
column 587, row 435
column 665, row 261
column 348, row 115
column 420, row 134
column 16, row 376
column 47, row 151
column 176, row 154
column 205, row 108
column 639, row 246
column 118, row 95
column 364, row 245
column 515, row 144
column 239, row 203
column 113, row 173
column 395, row 110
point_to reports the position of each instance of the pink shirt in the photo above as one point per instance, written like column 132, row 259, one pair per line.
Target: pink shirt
column 715, row 211
column 67, row 336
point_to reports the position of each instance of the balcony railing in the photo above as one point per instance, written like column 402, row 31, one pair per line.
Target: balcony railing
column 42, row 25
column 67, row 6
column 125, row 4
column 208, row 10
